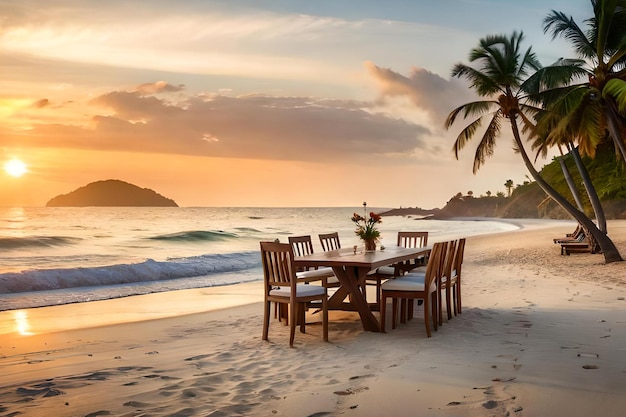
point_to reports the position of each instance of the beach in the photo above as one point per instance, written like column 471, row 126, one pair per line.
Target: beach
column 541, row 334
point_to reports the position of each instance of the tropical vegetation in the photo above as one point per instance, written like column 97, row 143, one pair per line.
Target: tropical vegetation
column 550, row 104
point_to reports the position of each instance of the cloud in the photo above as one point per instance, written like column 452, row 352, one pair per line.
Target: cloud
column 251, row 126
column 44, row 102
column 426, row 90
column 159, row 87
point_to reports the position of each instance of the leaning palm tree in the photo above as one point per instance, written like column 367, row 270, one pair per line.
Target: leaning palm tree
column 597, row 103
column 544, row 138
column 500, row 78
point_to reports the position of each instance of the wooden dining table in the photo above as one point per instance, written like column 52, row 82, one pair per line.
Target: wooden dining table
column 351, row 268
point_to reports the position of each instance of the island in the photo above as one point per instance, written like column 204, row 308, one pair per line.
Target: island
column 111, row 193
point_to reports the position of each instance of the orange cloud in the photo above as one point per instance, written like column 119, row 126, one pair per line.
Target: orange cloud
column 253, row 126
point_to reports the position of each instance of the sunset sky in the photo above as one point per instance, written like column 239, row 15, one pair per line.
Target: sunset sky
column 252, row 103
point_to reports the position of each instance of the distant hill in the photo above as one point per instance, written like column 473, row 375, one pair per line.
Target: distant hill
column 528, row 200
column 111, row 193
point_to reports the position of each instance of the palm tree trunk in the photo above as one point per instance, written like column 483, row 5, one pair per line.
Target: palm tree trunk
column 610, row 252
column 591, row 190
column 613, row 123
column 570, row 183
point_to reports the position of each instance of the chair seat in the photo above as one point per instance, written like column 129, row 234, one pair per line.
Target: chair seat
column 406, row 285
column 302, row 290
column 316, row 273
column 419, row 277
column 386, row 270
column 414, row 276
column 333, row 280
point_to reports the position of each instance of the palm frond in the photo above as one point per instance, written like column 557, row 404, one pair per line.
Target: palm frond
column 528, row 127
column 465, row 136
column 488, row 141
column 560, row 25
column 484, row 85
column 617, row 89
column 530, row 61
column 476, row 108
column 592, row 128
column 561, row 73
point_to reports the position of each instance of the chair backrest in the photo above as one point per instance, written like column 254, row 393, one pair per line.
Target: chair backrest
column 434, row 267
column 458, row 258
column 301, row 245
column 278, row 265
column 412, row 239
column 330, row 241
column 448, row 262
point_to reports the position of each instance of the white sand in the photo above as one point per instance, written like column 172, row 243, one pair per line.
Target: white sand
column 541, row 334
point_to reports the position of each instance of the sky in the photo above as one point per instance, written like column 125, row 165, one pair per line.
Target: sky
column 253, row 103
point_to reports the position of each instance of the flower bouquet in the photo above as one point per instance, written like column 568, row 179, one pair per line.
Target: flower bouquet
column 366, row 228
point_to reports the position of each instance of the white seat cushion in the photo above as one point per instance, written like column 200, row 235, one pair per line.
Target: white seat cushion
column 302, row 290
column 401, row 284
column 420, row 277
column 316, row 273
column 333, row 280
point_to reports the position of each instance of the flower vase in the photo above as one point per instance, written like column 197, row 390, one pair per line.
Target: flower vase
column 370, row 245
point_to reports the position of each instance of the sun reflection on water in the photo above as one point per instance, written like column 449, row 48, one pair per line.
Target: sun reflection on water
column 21, row 323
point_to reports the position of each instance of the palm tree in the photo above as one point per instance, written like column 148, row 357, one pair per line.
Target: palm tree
column 501, row 78
column 598, row 103
column 509, row 186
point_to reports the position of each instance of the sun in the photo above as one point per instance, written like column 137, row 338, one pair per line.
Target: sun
column 15, row 168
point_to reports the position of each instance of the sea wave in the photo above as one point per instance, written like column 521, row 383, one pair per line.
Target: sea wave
column 195, row 236
column 36, row 241
column 147, row 271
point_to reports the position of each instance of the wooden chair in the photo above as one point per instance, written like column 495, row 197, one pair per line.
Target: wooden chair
column 407, row 240
column 398, row 289
column 446, row 284
column 456, row 274
column 282, row 286
column 330, row 241
column 303, row 245
column 576, row 236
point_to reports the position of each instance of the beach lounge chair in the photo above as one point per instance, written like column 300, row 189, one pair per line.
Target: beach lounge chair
column 282, row 286
column 407, row 289
column 577, row 236
column 588, row 246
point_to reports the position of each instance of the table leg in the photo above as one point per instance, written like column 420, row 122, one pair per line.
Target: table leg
column 351, row 279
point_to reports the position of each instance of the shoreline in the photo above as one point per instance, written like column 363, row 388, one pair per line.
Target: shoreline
column 540, row 334
column 144, row 281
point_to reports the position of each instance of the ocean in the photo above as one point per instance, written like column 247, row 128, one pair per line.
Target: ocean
column 65, row 255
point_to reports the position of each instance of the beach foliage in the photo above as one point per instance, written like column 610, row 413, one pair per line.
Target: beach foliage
column 508, row 79
column 591, row 109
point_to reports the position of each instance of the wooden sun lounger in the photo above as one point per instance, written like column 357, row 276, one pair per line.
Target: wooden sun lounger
column 577, row 236
column 579, row 247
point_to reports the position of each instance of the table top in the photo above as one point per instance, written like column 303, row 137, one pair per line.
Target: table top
column 362, row 259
